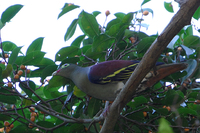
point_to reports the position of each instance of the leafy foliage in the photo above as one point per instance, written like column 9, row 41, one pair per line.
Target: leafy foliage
column 175, row 98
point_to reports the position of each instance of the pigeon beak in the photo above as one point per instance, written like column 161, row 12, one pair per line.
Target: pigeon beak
column 54, row 73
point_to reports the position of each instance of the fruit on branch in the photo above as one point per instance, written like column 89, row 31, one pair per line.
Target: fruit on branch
column 145, row 13
column 9, row 84
column 22, row 67
column 32, row 109
column 30, row 125
column 106, row 79
column 42, row 112
column 145, row 114
column 8, row 129
column 12, row 126
column 32, row 118
column 70, row 4
column 179, row 48
column 107, row 13
column 167, row 54
column 6, row 123
column 132, row 39
column 167, row 107
column 6, row 55
column 20, row 72
column 28, row 71
column 186, row 129
column 34, row 114
column 4, row 108
column 13, row 106
column 16, row 76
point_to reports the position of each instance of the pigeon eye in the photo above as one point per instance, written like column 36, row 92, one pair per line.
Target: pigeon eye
column 65, row 65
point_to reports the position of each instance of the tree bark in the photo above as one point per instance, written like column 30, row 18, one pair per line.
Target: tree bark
column 180, row 19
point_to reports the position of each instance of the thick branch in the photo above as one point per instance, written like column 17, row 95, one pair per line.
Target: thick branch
column 181, row 18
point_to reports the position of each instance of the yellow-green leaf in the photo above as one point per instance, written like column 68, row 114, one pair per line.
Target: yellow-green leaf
column 6, row 72
column 78, row 92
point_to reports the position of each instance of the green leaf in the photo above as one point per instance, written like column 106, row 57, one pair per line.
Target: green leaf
column 56, row 82
column 145, row 1
column 164, row 126
column 85, row 48
column 174, row 97
column 193, row 95
column 65, row 52
column 162, row 111
column 67, row 7
column 102, row 42
column 114, row 30
column 71, row 29
column 1, row 25
column 79, row 110
column 22, row 128
column 112, row 22
column 19, row 60
column 168, row 7
column 93, row 54
column 72, row 60
column 6, row 72
column 144, row 44
column 177, row 75
column 4, row 117
column 95, row 13
column 192, row 41
column 27, row 102
column 26, row 85
column 10, row 99
column 48, row 71
column 10, row 12
column 93, row 107
column 8, row 46
column 187, row 111
column 197, row 14
column 88, row 24
column 14, row 55
column 36, row 45
column 45, row 124
column 1, row 72
column 33, row 58
column 2, row 66
column 188, row 30
column 74, row 128
column 117, row 31
column 40, row 93
column 87, row 41
column 139, row 35
column 45, row 62
column 36, row 72
column 192, row 64
column 77, row 42
column 120, row 15
column 138, row 101
column 127, row 18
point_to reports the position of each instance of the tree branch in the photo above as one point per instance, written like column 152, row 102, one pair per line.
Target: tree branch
column 180, row 19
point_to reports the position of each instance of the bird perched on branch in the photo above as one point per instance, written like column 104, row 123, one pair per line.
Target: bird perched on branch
column 106, row 79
